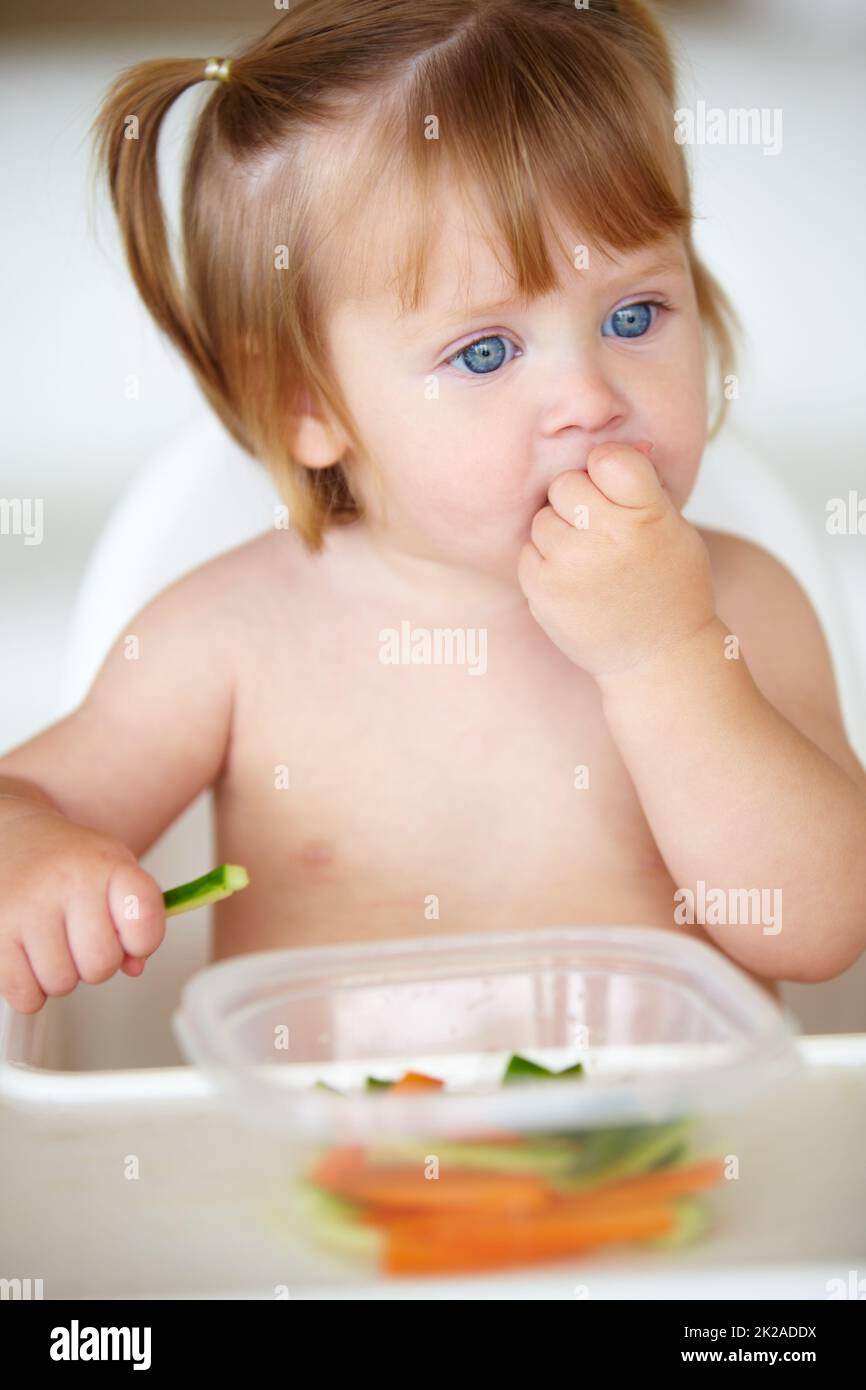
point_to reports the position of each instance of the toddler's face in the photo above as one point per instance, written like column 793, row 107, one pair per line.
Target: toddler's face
column 467, row 412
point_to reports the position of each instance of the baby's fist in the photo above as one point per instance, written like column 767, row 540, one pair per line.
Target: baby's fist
column 613, row 573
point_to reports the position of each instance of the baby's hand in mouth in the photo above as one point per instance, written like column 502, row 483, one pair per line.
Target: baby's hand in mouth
column 612, row 572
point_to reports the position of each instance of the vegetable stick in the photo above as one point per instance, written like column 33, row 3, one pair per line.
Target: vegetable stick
column 416, row 1247
column 660, row 1183
column 405, row 1186
column 649, row 1190
column 210, row 888
column 416, row 1080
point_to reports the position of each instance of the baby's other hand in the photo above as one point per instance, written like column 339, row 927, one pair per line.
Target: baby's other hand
column 613, row 573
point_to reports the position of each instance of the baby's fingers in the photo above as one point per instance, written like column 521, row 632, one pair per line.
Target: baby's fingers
column 93, row 941
column 47, row 950
column 18, row 984
column 137, row 909
column 626, row 475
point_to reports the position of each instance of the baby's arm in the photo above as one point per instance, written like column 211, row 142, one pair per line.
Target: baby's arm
column 745, row 774
column 81, row 801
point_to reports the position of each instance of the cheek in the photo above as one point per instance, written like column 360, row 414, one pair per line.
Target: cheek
column 450, row 467
column 677, row 417
column 438, row 458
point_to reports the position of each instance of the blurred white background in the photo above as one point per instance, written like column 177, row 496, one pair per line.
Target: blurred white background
column 785, row 235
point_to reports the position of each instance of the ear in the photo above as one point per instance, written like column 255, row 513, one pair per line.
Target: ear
column 314, row 439
column 317, row 442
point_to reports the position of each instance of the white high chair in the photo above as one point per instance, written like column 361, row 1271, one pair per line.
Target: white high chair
column 201, row 495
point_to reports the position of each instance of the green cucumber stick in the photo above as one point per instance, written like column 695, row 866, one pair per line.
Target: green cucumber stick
column 210, row 888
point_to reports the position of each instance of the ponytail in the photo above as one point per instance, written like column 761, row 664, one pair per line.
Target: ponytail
column 126, row 136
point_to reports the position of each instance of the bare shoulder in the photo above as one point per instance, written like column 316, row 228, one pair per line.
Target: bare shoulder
column 271, row 550
column 241, row 581
column 782, row 640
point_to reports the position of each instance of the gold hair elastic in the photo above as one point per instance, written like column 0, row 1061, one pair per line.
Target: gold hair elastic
column 218, row 68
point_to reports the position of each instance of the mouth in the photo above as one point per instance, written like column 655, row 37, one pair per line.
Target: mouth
column 644, row 446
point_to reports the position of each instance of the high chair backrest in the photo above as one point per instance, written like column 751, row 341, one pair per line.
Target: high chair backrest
column 201, row 495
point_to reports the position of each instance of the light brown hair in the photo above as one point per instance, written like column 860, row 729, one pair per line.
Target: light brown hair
column 537, row 104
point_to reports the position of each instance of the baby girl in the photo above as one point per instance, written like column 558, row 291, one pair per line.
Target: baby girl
column 438, row 276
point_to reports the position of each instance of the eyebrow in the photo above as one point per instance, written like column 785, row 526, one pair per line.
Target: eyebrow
column 664, row 264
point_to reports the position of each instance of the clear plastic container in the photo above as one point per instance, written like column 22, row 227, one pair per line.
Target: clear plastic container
column 674, row 1040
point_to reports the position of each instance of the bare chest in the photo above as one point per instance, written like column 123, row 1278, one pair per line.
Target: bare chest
column 372, row 799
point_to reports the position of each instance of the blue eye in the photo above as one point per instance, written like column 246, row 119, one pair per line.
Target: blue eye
column 484, row 356
column 632, row 320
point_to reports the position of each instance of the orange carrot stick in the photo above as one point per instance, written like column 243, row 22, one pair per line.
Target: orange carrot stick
column 338, row 1166
column 416, row 1080
column 432, row 1247
column 655, row 1188
column 659, row 1184
column 404, row 1186
column 498, row 1136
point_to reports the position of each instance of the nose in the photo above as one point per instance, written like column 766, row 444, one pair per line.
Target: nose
column 586, row 400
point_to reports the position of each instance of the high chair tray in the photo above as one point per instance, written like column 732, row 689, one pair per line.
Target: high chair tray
column 202, row 1217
